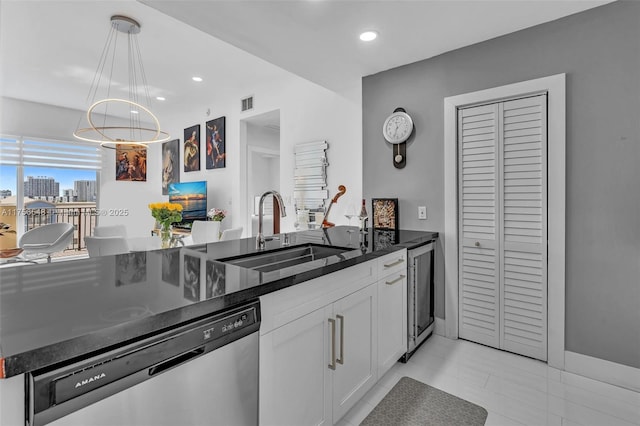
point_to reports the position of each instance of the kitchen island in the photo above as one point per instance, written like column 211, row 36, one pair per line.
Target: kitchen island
column 54, row 313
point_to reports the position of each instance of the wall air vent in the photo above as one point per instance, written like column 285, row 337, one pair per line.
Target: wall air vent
column 246, row 103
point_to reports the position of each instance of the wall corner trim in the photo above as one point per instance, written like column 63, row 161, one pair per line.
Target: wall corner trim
column 439, row 327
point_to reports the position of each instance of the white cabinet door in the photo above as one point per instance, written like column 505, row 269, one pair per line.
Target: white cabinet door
column 356, row 349
column 392, row 320
column 295, row 385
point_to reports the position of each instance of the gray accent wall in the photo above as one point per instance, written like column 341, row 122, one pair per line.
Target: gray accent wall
column 599, row 50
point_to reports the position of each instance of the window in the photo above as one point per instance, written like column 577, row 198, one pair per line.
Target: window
column 47, row 182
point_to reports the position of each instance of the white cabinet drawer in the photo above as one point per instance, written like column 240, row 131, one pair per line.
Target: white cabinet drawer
column 283, row 306
column 392, row 263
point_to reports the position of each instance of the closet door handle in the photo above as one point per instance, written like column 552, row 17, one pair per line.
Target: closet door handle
column 341, row 359
column 477, row 244
column 400, row 278
column 397, row 262
column 332, row 364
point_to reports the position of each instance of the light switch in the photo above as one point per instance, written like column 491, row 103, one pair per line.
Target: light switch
column 422, row 212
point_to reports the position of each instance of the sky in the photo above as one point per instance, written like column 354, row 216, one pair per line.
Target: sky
column 199, row 187
column 65, row 177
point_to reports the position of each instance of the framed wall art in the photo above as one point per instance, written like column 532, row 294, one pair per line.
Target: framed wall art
column 385, row 213
column 192, row 149
column 131, row 162
column 170, row 164
column 216, row 153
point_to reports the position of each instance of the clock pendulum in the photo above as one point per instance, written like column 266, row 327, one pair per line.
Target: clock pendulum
column 398, row 157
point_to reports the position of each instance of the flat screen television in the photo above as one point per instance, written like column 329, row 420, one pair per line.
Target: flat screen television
column 193, row 198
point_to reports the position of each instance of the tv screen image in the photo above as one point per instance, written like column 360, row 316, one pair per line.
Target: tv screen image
column 193, row 198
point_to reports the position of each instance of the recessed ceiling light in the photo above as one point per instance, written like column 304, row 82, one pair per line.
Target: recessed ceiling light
column 368, row 36
column 133, row 111
column 198, row 79
column 160, row 98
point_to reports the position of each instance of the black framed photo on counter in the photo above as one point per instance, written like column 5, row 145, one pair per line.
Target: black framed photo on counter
column 385, row 213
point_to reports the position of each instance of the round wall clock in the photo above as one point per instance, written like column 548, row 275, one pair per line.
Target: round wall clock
column 397, row 128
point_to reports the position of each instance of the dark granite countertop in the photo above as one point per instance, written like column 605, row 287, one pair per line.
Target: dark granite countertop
column 50, row 313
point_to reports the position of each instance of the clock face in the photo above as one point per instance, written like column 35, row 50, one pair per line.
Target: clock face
column 397, row 127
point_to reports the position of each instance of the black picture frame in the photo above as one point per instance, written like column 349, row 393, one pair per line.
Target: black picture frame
column 216, row 154
column 384, row 213
column 191, row 159
column 170, row 164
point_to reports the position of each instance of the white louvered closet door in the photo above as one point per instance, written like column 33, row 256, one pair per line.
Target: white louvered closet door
column 478, row 195
column 516, row 255
column 523, row 248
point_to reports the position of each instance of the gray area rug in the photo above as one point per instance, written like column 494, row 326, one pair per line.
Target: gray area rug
column 412, row 403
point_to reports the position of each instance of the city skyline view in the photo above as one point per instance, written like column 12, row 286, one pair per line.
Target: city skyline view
column 66, row 177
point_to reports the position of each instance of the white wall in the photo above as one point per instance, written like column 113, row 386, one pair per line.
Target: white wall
column 264, row 168
column 307, row 112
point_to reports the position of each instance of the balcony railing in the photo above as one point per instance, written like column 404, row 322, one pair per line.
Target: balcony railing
column 83, row 220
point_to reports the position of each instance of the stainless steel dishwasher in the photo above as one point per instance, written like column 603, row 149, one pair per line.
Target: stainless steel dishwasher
column 201, row 373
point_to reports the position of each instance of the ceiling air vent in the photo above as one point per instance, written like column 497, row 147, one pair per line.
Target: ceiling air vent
column 247, row 103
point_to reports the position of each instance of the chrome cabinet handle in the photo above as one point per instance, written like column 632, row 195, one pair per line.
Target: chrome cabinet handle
column 400, row 278
column 341, row 359
column 332, row 364
column 477, row 244
column 397, row 262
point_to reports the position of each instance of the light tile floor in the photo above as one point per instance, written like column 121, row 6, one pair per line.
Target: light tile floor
column 514, row 390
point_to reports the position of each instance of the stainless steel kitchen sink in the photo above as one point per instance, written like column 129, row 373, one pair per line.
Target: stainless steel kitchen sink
column 284, row 258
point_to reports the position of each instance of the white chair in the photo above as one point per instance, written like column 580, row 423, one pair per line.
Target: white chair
column 104, row 246
column 231, row 234
column 110, row 231
column 47, row 239
column 187, row 241
column 204, row 232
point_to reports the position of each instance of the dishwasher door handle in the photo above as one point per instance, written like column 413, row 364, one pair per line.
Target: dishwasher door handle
column 175, row 361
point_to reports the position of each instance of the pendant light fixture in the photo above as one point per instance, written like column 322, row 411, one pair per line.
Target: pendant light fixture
column 116, row 114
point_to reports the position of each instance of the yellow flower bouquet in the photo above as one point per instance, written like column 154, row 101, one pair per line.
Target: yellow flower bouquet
column 166, row 214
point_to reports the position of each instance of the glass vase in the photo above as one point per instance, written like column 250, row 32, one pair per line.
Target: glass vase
column 165, row 235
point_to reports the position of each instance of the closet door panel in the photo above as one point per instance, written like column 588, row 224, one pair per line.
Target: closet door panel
column 478, row 194
column 522, row 248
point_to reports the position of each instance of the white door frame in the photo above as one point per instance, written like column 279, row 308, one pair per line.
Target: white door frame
column 554, row 86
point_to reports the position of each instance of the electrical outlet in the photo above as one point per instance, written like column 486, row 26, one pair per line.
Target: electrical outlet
column 422, row 212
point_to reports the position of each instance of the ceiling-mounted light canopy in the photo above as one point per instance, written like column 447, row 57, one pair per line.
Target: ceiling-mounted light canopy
column 118, row 116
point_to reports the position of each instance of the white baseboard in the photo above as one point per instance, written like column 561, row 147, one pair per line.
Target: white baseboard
column 602, row 370
column 439, row 328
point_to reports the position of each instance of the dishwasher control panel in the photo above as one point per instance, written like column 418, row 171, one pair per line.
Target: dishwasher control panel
column 230, row 324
